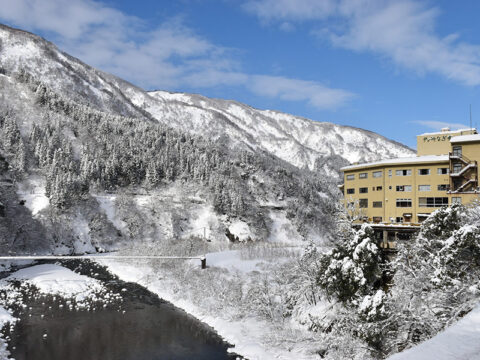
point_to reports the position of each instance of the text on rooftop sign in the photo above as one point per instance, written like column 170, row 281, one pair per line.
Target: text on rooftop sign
column 437, row 138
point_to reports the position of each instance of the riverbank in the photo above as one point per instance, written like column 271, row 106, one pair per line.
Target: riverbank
column 258, row 330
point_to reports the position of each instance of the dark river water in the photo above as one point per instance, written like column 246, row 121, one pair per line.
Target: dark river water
column 142, row 327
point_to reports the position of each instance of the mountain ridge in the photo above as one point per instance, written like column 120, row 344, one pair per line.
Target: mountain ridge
column 108, row 89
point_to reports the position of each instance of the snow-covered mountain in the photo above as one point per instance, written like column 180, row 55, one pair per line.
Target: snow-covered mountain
column 301, row 142
column 98, row 160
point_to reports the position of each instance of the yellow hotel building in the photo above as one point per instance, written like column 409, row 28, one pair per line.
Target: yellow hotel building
column 407, row 190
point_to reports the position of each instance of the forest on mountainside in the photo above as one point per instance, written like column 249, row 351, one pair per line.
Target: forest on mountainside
column 80, row 150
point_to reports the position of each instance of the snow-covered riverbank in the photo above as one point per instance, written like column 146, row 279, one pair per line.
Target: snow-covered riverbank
column 253, row 336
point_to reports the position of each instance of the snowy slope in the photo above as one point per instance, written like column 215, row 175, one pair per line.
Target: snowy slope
column 460, row 341
column 300, row 141
column 295, row 139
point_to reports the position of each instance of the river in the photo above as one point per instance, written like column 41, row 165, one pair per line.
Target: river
column 142, row 327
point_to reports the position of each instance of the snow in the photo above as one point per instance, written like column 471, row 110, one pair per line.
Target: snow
column 241, row 229
column 56, row 279
column 282, row 230
column 400, row 161
column 5, row 317
column 107, row 203
column 465, row 138
column 20, row 50
column 232, row 260
column 447, row 132
column 205, row 217
column 171, row 96
column 32, row 190
column 460, row 341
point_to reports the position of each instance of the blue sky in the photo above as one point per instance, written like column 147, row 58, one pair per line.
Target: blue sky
column 398, row 68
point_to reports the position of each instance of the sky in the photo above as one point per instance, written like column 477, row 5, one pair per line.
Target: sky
column 398, row 68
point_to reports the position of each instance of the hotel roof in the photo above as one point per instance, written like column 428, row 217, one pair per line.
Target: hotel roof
column 465, row 138
column 448, row 132
column 400, row 161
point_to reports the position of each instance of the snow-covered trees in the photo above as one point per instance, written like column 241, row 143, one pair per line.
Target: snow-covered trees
column 12, row 143
column 82, row 149
column 353, row 268
column 437, row 276
column 390, row 304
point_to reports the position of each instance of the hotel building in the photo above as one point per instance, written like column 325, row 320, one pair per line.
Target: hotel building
column 406, row 190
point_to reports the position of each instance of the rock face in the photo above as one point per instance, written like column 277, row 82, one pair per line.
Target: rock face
column 99, row 162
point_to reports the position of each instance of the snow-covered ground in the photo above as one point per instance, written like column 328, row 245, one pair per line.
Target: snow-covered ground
column 461, row 341
column 32, row 190
column 232, row 260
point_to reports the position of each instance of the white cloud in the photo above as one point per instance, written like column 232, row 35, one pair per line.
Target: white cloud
column 290, row 9
column 170, row 56
column 314, row 93
column 437, row 125
column 402, row 31
column 71, row 18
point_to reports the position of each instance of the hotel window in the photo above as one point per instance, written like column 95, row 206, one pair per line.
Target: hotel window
column 350, row 177
column 404, row 202
column 389, row 173
column 423, row 187
column 423, row 171
column 456, row 200
column 399, row 219
column 379, row 188
column 377, row 204
column 363, row 203
column 363, row 190
column 403, row 172
column 432, row 201
column 404, row 188
column 442, row 171
column 443, row 187
column 350, row 191
column 377, row 219
column 457, row 151
column 362, row 175
column 377, row 174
